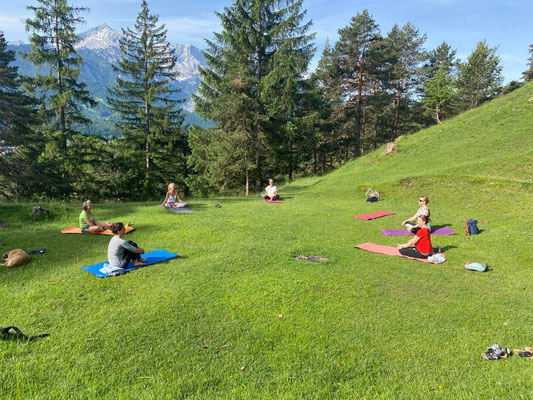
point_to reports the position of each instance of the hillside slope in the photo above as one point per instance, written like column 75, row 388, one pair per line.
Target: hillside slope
column 237, row 317
column 492, row 141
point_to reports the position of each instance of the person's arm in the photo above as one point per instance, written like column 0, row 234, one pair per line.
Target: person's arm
column 410, row 219
column 88, row 221
column 410, row 243
column 178, row 197
column 164, row 201
column 126, row 245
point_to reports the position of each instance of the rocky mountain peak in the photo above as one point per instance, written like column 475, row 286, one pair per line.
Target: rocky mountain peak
column 100, row 37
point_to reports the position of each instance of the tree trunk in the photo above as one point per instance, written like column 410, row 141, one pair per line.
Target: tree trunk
column 437, row 116
column 59, row 66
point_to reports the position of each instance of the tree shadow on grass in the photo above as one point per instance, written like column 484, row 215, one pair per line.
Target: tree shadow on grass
column 297, row 189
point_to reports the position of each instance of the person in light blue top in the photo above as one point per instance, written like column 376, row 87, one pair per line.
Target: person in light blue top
column 422, row 210
column 121, row 252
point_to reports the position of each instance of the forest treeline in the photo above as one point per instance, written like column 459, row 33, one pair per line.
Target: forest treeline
column 271, row 118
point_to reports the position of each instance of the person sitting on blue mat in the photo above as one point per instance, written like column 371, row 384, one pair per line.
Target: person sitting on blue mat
column 121, row 252
column 421, row 241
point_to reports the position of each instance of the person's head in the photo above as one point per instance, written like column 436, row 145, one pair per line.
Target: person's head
column 171, row 187
column 423, row 220
column 423, row 200
column 117, row 227
column 87, row 205
column 271, row 181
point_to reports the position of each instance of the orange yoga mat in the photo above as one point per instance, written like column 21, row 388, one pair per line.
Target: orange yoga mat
column 73, row 229
column 387, row 250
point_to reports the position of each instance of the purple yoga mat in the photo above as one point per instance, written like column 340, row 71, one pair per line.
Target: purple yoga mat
column 444, row 231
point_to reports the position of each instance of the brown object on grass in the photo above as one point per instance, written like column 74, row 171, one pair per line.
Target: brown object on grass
column 524, row 353
column 15, row 258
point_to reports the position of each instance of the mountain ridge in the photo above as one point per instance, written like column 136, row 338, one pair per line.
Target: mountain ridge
column 99, row 48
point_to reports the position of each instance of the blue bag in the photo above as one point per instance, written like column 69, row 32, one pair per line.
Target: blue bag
column 472, row 227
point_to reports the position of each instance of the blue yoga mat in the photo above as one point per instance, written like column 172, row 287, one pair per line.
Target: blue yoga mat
column 152, row 257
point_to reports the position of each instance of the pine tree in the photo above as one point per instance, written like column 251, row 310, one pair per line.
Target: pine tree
column 149, row 115
column 19, row 145
column 439, row 92
column 354, row 49
column 443, row 55
column 528, row 74
column 406, row 55
column 480, row 76
column 52, row 50
column 253, row 88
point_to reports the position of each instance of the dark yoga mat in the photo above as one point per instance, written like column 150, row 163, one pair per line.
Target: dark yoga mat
column 182, row 210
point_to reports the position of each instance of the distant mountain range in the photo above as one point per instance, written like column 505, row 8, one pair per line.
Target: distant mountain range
column 99, row 48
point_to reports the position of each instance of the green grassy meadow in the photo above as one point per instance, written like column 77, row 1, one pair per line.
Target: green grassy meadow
column 236, row 317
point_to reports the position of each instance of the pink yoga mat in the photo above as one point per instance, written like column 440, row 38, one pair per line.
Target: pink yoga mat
column 273, row 201
column 444, row 231
column 387, row 250
column 375, row 215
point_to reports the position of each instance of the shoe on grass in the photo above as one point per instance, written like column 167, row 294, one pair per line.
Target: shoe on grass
column 496, row 352
column 526, row 353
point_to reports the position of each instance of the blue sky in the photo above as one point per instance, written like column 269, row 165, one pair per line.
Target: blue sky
column 461, row 23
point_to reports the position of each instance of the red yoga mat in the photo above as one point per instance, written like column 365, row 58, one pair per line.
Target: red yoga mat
column 73, row 229
column 387, row 250
column 375, row 215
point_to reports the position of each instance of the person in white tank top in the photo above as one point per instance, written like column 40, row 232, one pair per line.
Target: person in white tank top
column 172, row 199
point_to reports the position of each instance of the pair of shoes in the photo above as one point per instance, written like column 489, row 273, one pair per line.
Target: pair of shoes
column 526, row 353
column 38, row 251
column 496, row 352
column 217, row 205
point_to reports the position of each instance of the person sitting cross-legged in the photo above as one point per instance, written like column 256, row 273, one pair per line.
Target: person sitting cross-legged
column 420, row 246
column 88, row 223
column 271, row 191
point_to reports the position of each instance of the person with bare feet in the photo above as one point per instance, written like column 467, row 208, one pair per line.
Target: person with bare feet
column 121, row 252
column 89, row 224
column 172, row 198
column 271, row 191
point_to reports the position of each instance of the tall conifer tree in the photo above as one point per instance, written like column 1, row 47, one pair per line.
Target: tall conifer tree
column 354, row 49
column 480, row 76
column 253, row 88
column 52, row 47
column 148, row 111
column 405, row 47
column 20, row 146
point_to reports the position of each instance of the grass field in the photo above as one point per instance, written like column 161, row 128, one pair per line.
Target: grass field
column 236, row 317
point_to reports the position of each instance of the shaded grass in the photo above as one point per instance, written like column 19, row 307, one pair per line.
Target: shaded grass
column 360, row 325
